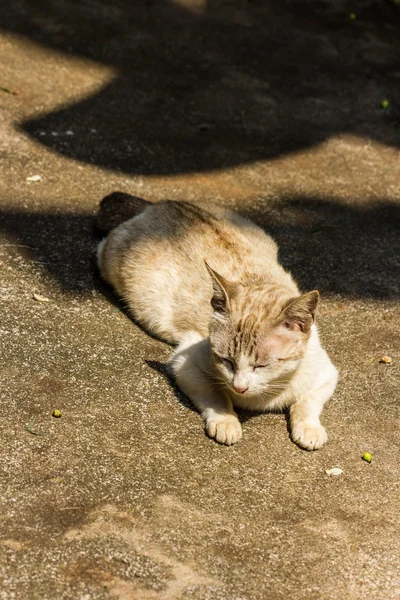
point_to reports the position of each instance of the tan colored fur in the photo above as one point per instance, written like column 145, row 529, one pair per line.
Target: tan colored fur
column 210, row 282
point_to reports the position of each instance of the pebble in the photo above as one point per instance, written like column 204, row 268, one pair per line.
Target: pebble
column 386, row 360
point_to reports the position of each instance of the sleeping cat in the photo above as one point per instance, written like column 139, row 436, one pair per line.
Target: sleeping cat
column 209, row 282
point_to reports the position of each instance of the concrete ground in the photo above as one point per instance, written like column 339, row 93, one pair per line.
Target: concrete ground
column 274, row 109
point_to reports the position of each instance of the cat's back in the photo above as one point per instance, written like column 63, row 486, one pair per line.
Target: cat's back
column 233, row 241
column 156, row 261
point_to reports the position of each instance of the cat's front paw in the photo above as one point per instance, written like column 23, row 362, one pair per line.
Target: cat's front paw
column 309, row 435
column 224, row 429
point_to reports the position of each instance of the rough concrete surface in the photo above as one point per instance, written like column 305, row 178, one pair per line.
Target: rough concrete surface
column 274, row 109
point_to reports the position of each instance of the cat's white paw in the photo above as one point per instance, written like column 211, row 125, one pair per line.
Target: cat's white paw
column 224, row 429
column 309, row 435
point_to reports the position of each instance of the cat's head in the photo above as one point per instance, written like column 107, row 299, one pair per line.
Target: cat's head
column 258, row 336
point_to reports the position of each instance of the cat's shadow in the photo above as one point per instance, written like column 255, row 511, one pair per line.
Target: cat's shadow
column 162, row 368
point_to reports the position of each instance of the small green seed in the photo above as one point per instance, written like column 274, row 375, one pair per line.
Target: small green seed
column 352, row 16
column 367, row 457
column 385, row 104
column 57, row 413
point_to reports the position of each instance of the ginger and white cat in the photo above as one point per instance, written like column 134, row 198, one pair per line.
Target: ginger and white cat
column 210, row 283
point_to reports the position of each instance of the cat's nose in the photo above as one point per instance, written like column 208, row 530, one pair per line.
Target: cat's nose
column 240, row 383
column 241, row 389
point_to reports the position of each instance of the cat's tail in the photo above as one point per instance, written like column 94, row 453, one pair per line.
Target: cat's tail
column 116, row 208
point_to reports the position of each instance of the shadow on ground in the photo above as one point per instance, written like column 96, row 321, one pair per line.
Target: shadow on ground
column 213, row 84
column 342, row 250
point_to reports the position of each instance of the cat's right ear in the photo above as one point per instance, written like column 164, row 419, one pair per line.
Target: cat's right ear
column 220, row 299
column 299, row 313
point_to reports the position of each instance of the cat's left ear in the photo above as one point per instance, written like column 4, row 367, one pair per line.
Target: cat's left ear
column 221, row 288
column 299, row 313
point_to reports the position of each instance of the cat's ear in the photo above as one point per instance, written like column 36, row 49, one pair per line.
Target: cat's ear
column 221, row 288
column 299, row 313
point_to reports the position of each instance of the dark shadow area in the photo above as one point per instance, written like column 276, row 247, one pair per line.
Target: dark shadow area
column 162, row 369
column 339, row 249
column 226, row 83
column 346, row 250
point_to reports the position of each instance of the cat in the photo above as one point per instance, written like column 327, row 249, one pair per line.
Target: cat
column 209, row 283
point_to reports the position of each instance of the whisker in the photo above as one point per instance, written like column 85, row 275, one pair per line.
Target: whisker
column 273, row 391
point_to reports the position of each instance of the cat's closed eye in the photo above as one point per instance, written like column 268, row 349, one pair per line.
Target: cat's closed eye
column 265, row 366
column 227, row 362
